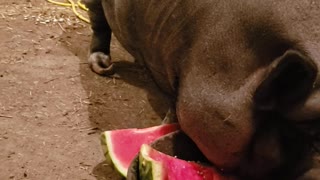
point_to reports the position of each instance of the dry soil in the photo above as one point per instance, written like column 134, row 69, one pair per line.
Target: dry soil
column 52, row 107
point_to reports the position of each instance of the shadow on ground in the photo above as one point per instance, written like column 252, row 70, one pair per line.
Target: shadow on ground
column 130, row 101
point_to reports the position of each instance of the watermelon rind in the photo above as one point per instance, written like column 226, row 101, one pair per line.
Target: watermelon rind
column 156, row 165
column 110, row 155
column 149, row 169
column 108, row 148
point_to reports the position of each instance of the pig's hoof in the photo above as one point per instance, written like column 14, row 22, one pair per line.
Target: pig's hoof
column 100, row 63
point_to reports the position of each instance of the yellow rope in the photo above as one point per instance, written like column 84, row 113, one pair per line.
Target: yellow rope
column 82, row 6
column 74, row 6
column 59, row 3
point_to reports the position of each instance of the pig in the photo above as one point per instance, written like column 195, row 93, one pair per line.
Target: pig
column 243, row 75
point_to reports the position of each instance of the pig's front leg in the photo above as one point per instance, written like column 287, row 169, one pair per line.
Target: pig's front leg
column 99, row 58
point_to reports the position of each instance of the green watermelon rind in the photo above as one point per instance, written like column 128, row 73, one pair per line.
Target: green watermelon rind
column 155, row 165
column 106, row 145
column 149, row 169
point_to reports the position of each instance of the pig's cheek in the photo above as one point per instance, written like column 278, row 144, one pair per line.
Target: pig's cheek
column 215, row 147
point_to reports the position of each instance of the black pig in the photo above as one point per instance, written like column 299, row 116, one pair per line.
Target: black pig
column 244, row 74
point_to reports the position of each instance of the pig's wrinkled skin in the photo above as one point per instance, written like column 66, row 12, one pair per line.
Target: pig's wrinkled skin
column 244, row 74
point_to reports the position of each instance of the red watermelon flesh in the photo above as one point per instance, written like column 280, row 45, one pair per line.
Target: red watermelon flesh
column 154, row 165
column 121, row 146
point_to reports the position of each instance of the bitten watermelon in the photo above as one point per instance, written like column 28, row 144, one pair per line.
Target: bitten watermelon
column 154, row 165
column 121, row 146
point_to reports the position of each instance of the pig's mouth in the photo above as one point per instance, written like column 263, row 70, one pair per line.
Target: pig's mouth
column 179, row 145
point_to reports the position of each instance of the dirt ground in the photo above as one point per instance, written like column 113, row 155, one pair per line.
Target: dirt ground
column 52, row 107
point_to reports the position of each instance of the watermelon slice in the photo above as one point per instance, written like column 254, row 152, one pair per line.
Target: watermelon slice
column 154, row 165
column 121, row 146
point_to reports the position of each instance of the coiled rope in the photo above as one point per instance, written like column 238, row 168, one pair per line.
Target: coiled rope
column 74, row 6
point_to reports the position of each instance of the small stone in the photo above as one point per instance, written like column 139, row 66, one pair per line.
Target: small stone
column 48, row 51
column 65, row 113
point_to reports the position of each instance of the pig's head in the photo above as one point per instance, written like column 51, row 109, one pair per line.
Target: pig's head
column 245, row 108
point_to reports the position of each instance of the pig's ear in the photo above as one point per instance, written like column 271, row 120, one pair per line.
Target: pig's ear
column 290, row 80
